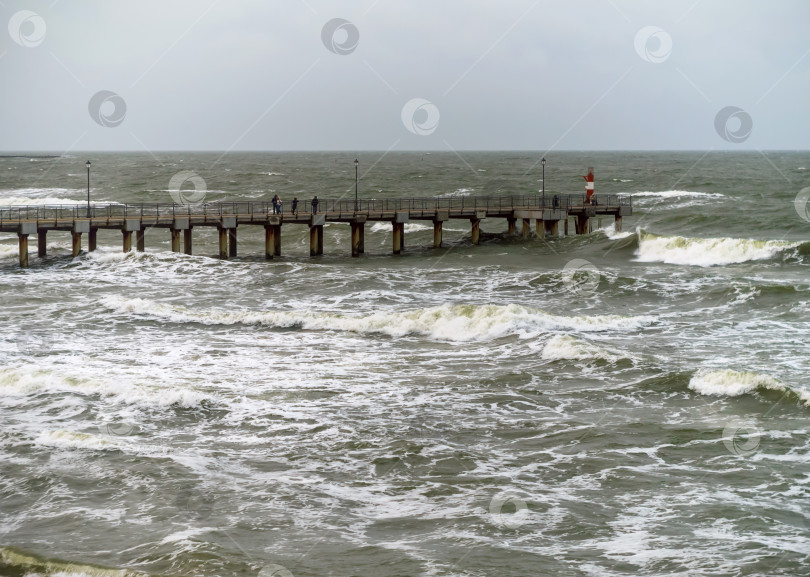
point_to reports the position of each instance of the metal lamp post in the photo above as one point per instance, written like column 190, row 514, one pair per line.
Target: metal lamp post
column 355, row 184
column 87, row 164
column 543, row 162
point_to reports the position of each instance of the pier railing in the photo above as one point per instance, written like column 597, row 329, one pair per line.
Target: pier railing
column 333, row 207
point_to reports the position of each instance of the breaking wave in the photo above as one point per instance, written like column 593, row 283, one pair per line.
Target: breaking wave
column 677, row 194
column 707, row 251
column 734, row 383
column 446, row 323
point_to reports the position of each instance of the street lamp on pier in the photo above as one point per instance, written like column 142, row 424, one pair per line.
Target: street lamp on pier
column 87, row 164
column 543, row 162
column 355, row 184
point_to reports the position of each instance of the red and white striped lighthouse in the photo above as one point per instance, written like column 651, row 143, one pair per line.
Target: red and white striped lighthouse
column 589, row 185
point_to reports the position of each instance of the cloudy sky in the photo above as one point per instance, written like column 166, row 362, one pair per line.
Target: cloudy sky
column 402, row 75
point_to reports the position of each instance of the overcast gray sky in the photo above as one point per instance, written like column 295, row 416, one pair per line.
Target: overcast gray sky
column 403, row 75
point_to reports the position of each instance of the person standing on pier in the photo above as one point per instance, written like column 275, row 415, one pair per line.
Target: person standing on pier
column 295, row 206
column 275, row 204
column 315, row 204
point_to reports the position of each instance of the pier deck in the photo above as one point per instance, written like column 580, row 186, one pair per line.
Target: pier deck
column 547, row 212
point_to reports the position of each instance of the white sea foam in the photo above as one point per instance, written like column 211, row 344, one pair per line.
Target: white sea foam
column 707, row 251
column 29, row 380
column 610, row 232
column 40, row 201
column 448, row 323
column 566, row 347
column 409, row 227
column 731, row 383
column 676, row 194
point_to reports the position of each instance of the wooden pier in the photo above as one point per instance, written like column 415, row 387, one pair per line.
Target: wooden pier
column 550, row 215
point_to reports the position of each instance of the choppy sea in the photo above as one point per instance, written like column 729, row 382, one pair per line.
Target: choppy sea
column 462, row 411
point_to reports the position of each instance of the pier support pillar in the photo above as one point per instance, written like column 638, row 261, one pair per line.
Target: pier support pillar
column 223, row 242
column 399, row 232
column 127, row 240
column 437, row 234
column 552, row 227
column 438, row 223
column 140, row 240
column 42, row 240
column 272, row 240
column 77, row 243
column 232, row 241
column 187, row 241
column 617, row 224
column 511, row 229
column 23, row 238
column 527, row 228
column 582, row 224
column 476, row 230
column 175, row 240
column 92, row 240
column 566, row 225
column 358, row 229
column 539, row 228
column 316, row 240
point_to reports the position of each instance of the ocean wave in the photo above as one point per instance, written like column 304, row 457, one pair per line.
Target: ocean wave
column 26, row 381
column 731, row 383
column 568, row 348
column 18, row 562
column 447, row 323
column 707, row 251
column 610, row 232
column 409, row 227
column 41, row 201
column 676, row 194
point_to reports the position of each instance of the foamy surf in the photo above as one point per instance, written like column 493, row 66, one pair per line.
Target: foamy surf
column 676, row 194
column 29, row 381
column 706, row 252
column 568, row 348
column 446, row 323
column 731, row 383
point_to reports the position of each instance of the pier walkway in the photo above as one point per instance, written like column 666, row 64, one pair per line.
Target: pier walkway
column 547, row 212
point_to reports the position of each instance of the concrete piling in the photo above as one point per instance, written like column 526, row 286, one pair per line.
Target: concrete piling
column 42, row 242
